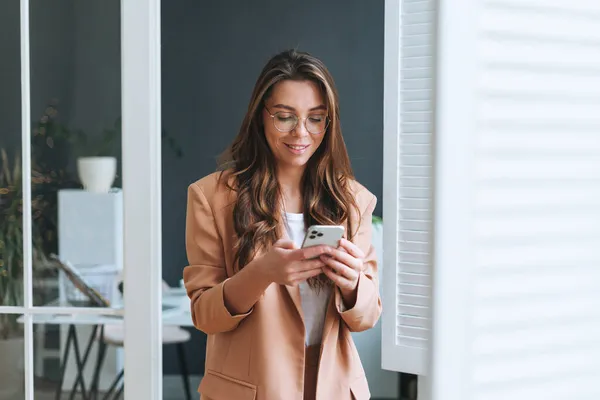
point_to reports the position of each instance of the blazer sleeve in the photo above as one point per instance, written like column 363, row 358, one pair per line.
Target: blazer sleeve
column 205, row 275
column 367, row 309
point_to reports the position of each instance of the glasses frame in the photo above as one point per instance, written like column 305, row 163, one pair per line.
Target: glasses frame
column 298, row 119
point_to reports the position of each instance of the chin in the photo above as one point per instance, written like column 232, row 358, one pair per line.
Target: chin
column 296, row 162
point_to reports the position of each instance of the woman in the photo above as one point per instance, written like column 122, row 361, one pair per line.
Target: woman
column 278, row 317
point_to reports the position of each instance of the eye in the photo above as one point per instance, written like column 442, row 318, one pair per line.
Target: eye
column 285, row 117
column 317, row 119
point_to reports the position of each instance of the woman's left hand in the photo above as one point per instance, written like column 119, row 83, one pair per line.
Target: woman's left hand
column 343, row 266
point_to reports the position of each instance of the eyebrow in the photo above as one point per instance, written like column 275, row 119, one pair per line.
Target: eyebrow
column 286, row 107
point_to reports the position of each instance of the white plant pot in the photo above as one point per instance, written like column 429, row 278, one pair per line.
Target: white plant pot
column 97, row 174
column 12, row 377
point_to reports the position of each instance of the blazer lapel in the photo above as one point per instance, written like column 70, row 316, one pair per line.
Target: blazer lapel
column 294, row 292
column 329, row 315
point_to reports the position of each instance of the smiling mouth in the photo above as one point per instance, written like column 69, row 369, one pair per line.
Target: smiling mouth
column 297, row 146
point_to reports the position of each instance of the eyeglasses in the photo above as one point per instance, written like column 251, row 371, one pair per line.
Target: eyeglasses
column 285, row 121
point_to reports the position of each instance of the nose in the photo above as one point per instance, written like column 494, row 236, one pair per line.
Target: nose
column 300, row 129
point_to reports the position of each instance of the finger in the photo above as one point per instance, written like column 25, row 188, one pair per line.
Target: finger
column 306, row 265
column 352, row 248
column 339, row 280
column 339, row 268
column 313, row 251
column 304, row 275
column 311, row 264
column 285, row 244
column 346, row 258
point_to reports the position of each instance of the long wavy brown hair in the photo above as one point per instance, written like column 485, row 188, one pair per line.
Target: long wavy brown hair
column 251, row 166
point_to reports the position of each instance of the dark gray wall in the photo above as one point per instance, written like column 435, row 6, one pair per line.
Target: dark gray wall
column 10, row 80
column 95, row 95
column 74, row 57
column 51, row 60
column 212, row 55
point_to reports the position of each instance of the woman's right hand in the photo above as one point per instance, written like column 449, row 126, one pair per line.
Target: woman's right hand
column 285, row 264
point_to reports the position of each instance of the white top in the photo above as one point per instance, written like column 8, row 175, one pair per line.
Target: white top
column 314, row 305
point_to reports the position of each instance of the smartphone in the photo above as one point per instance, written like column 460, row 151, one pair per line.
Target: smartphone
column 329, row 235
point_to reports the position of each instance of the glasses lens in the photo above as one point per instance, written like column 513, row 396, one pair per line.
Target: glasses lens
column 316, row 124
column 285, row 122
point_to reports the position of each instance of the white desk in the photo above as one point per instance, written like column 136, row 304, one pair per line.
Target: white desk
column 176, row 312
column 179, row 315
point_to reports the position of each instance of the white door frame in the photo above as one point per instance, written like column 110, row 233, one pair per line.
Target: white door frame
column 141, row 154
column 142, row 248
column 26, row 190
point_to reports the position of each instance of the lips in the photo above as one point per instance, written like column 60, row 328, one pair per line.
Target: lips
column 298, row 147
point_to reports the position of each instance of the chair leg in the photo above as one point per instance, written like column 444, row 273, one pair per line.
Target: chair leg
column 184, row 370
column 120, row 392
column 114, row 385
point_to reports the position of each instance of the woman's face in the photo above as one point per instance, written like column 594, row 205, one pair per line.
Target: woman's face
column 291, row 101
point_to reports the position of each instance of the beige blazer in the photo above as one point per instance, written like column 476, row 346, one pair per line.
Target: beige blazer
column 260, row 355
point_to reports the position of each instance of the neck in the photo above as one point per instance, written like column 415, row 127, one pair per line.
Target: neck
column 290, row 181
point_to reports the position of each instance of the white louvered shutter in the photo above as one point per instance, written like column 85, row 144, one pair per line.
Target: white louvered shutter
column 408, row 126
column 516, row 290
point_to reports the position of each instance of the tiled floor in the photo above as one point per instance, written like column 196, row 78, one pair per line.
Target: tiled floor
column 172, row 389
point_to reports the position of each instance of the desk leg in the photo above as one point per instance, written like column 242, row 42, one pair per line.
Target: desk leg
column 63, row 367
column 79, row 379
column 99, row 361
column 80, row 367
